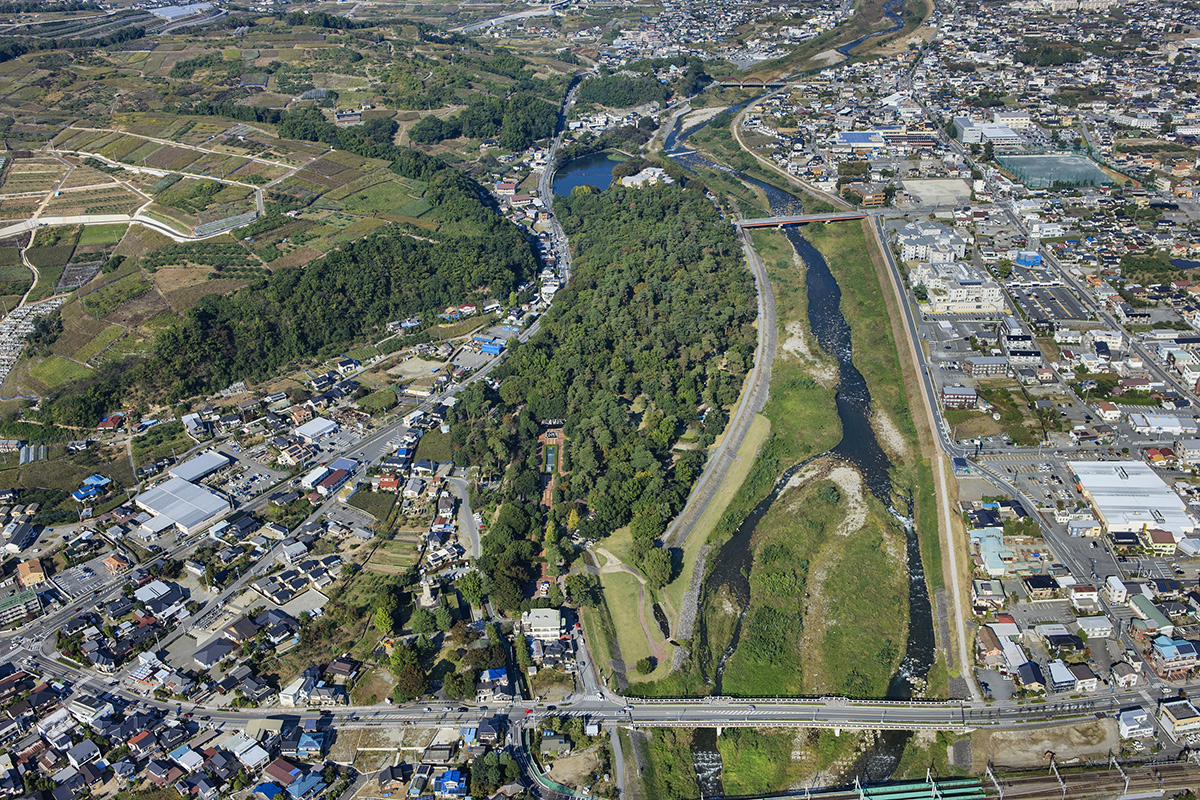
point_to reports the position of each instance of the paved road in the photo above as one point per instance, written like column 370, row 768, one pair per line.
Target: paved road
column 721, row 459
column 828, row 712
column 949, row 545
column 466, row 518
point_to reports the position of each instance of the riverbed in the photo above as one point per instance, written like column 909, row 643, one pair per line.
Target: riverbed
column 859, row 448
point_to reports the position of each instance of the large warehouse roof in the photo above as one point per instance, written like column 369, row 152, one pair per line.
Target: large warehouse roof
column 187, row 505
column 316, row 428
column 196, row 468
column 1129, row 496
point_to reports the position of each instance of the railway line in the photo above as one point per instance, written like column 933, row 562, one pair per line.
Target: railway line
column 1148, row 780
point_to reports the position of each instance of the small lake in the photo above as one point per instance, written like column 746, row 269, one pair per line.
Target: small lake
column 592, row 170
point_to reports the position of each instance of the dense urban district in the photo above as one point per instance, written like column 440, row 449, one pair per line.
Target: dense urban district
column 596, row 399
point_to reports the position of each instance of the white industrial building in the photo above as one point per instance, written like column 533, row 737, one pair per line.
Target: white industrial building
column 314, row 429
column 1129, row 497
column 969, row 131
column 182, row 504
column 201, row 466
column 1135, row 723
column 1161, row 424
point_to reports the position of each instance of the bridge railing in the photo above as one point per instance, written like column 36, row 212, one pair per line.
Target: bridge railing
column 829, row 700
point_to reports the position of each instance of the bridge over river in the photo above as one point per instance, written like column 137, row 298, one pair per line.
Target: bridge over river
column 800, row 219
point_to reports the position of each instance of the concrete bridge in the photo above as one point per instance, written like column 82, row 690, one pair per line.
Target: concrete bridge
column 753, row 84
column 800, row 219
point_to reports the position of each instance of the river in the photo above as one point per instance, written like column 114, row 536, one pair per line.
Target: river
column 891, row 10
column 858, row 447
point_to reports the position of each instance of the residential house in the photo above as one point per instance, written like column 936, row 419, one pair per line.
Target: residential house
column 555, row 744
column 1135, row 723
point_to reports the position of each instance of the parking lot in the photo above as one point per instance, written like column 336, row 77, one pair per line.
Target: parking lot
column 1056, row 303
column 83, row 579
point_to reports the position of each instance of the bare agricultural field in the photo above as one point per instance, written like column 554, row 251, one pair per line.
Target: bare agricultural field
column 137, row 310
column 112, row 199
column 19, row 207
column 138, row 241
column 413, row 368
column 269, row 172
column 355, row 230
column 171, row 157
column 85, row 176
column 32, row 175
column 172, row 279
column 296, row 258
column 188, row 296
column 393, row 557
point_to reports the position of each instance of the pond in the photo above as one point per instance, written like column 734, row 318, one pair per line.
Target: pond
column 591, row 170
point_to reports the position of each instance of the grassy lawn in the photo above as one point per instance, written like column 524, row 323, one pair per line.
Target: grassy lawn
column 597, row 626
column 378, row 401
column 66, row 472
column 102, row 234
column 549, row 680
column 967, row 423
column 108, row 299
column 47, row 279
column 97, row 344
column 1016, row 419
column 15, row 278
column 377, row 504
column 56, row 370
column 838, row 599
column 435, row 446
column 363, row 353
column 621, row 594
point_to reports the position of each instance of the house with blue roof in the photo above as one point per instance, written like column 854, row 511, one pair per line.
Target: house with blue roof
column 84, row 492
column 1172, row 658
column 306, row 786
column 267, row 791
column 451, row 783
column 307, row 744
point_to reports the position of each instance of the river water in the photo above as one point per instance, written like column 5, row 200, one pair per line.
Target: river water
column 860, row 448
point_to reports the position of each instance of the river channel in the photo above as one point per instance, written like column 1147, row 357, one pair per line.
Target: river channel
column 860, row 448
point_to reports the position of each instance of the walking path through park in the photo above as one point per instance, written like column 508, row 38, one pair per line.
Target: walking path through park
column 614, row 564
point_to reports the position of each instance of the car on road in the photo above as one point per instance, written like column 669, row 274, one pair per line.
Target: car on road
column 428, row 710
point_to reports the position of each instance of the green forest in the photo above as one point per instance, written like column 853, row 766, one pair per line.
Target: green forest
column 651, row 337
column 622, row 91
column 517, row 122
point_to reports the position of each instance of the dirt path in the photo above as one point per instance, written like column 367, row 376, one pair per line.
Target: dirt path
column 614, row 564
